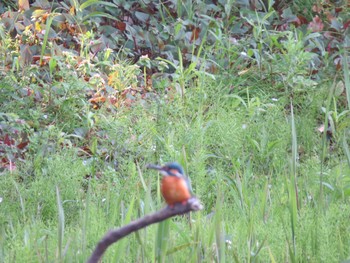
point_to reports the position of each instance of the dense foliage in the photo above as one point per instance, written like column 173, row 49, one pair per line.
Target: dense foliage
column 252, row 97
column 164, row 45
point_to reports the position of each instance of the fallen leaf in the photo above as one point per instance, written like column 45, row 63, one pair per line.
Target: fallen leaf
column 316, row 25
column 121, row 26
column 195, row 33
column 72, row 11
column 97, row 99
column 22, row 145
column 301, row 20
column 23, row 5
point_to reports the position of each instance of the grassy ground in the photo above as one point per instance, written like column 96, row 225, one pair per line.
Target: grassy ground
column 274, row 188
column 261, row 203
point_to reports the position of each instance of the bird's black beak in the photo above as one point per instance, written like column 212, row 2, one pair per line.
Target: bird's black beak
column 155, row 167
column 161, row 169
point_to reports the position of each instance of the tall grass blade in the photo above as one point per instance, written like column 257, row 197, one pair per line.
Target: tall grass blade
column 264, row 197
column 293, row 188
column 2, row 243
column 141, row 177
column 86, row 218
column 294, row 143
column 20, row 199
column 290, row 249
column 60, row 234
column 219, row 230
column 197, row 244
column 346, row 149
column 256, row 253
column 324, row 139
column 272, row 258
column 162, row 241
column 46, row 36
column 346, row 77
column 120, row 251
column 293, row 211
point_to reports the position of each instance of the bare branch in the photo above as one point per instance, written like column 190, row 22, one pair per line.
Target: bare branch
column 113, row 236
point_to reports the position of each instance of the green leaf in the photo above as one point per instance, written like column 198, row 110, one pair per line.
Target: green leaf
column 99, row 14
column 95, row 2
column 47, row 30
column 142, row 16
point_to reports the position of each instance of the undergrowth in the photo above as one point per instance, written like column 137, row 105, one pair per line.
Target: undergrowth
column 259, row 121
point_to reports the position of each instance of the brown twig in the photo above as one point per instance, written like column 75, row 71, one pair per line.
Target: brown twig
column 113, row 236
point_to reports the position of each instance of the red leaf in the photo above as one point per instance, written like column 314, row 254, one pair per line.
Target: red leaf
column 346, row 24
column 5, row 163
column 8, row 141
column 22, row 145
column 45, row 60
column 302, row 20
column 316, row 24
column 121, row 26
column 195, row 33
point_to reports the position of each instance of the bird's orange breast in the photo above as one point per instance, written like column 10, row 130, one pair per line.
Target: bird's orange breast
column 175, row 190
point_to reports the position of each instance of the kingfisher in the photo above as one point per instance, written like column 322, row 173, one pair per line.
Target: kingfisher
column 175, row 186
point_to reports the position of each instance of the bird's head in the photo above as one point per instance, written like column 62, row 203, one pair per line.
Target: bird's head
column 169, row 169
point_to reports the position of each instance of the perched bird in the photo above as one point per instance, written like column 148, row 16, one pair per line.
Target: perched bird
column 175, row 186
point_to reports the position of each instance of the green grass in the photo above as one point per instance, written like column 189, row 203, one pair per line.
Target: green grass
column 273, row 188
column 240, row 159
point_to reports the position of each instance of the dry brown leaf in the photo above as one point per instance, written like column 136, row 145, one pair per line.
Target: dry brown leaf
column 23, row 5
